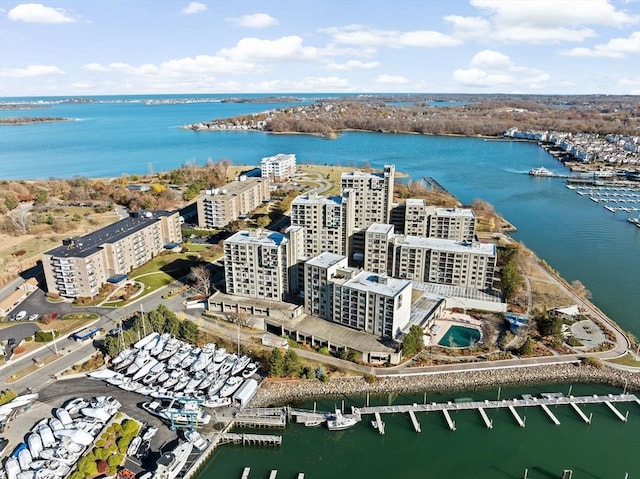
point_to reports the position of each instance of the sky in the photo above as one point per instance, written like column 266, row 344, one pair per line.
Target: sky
column 93, row 47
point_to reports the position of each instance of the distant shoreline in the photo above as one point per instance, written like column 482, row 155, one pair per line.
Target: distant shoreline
column 32, row 121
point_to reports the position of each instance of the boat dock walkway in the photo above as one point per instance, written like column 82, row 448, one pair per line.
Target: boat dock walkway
column 414, row 420
column 261, row 439
column 519, row 420
column 272, row 475
column 550, row 414
column 379, row 423
column 485, row 418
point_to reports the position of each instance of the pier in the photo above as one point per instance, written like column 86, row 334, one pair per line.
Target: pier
column 519, row 420
column 273, row 474
column 553, row 417
column 580, row 413
column 616, row 412
column 414, row 420
column 379, row 423
column 245, row 473
column 450, row 422
column 487, row 421
column 260, row 439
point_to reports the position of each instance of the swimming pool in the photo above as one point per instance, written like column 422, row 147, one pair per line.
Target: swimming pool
column 459, row 337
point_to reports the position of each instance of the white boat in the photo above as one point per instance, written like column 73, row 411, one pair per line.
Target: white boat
column 133, row 447
column 190, row 359
column 142, row 372
column 216, row 401
column 146, row 340
column 12, row 468
column 159, row 367
column 55, row 424
column 98, row 413
column 170, row 348
column 153, row 407
column 228, row 363
column 117, row 379
column 313, row 422
column 204, row 358
column 199, row 442
column 171, row 463
column 152, row 344
column 241, row 363
column 63, row 416
column 130, row 385
column 182, row 382
column 175, row 376
column 206, row 382
column 75, row 435
column 102, row 374
column 149, row 432
column 180, row 355
column 542, row 171
column 145, row 390
column 339, row 422
column 142, row 358
column 74, row 405
column 160, row 344
column 217, row 385
column 194, row 382
column 34, row 442
column 24, row 458
column 250, row 370
column 122, row 355
column 230, row 386
column 26, row 475
column 46, row 435
column 151, row 377
column 164, row 375
column 220, row 355
column 128, row 361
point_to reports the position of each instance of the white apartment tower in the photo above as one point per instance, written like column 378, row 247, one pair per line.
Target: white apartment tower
column 318, row 272
column 279, row 167
column 457, row 224
column 327, row 222
column 377, row 257
column 372, row 195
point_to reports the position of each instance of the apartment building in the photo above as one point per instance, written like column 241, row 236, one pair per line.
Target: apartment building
column 435, row 260
column 261, row 263
column 372, row 195
column 377, row 253
column 371, row 302
column 318, row 272
column 457, row 224
column 327, row 222
column 279, row 167
column 219, row 207
column 82, row 265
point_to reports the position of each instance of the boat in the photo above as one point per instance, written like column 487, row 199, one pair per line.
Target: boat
column 142, row 358
column 55, row 424
column 182, row 382
column 145, row 390
column 194, row 382
column 143, row 450
column 206, row 382
column 313, row 422
column 97, row 413
column 146, row 340
column 153, row 407
column 180, row 355
column 122, row 355
column 199, row 442
column 250, row 370
column 63, row 416
column 24, row 457
column 75, row 435
column 130, row 385
column 241, row 363
column 190, row 359
column 160, row 344
column 220, row 355
column 34, row 442
column 217, row 385
column 151, row 377
column 128, row 361
column 170, row 348
column 204, row 358
column 12, row 468
column 171, row 463
column 230, row 386
column 174, row 377
column 134, row 446
column 228, row 363
column 142, row 372
column 102, row 374
column 46, row 435
column 149, row 432
column 542, row 171
column 339, row 422
column 118, row 379
column 216, row 401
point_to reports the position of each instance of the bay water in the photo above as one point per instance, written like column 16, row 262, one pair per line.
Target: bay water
column 577, row 237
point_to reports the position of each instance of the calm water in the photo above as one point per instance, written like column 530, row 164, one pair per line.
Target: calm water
column 575, row 236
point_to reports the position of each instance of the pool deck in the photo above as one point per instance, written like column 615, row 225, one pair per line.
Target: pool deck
column 449, row 319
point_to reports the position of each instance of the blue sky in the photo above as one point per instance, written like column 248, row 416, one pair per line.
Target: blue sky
column 73, row 47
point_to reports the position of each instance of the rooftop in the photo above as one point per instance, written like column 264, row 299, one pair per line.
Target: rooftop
column 259, row 237
column 380, row 228
column 234, row 188
column 279, row 158
column 415, row 202
column 466, row 212
column 447, row 245
column 326, row 260
column 378, row 284
column 316, row 199
column 89, row 244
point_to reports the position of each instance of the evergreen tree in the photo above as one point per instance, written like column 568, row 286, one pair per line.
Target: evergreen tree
column 413, row 343
column 188, row 331
column 292, row 364
column 276, row 363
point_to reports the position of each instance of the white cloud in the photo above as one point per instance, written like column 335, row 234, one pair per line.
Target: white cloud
column 32, row 71
column 490, row 68
column 95, row 67
column 255, row 20
column 283, row 49
column 307, row 84
column 360, row 35
column 38, row 13
column 469, row 27
column 543, row 21
column 614, row 48
column 353, row 65
column 193, row 7
column 392, row 79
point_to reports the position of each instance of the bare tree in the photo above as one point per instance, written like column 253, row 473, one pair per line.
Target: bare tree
column 20, row 219
column 201, row 277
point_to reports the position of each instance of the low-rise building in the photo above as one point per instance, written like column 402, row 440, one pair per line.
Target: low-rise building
column 81, row 265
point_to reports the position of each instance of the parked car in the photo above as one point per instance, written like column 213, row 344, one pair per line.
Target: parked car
column 21, row 315
column 33, row 317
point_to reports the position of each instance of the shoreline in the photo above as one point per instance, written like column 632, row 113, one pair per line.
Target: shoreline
column 277, row 393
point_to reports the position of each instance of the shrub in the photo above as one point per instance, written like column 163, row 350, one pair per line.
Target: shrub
column 19, row 349
column 102, row 466
column 43, row 336
column 370, row 378
column 7, row 395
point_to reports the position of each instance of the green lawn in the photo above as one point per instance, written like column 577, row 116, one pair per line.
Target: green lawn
column 626, row 360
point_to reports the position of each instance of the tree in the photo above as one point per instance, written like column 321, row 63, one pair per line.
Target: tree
column 188, row 331
column 549, row 325
column 511, row 279
column 201, row 277
column 413, row 343
column 527, row 347
column 276, row 364
column 292, row 365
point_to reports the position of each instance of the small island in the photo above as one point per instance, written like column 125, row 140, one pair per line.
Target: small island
column 32, row 120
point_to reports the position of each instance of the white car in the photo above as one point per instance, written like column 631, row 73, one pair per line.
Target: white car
column 21, row 315
column 33, row 317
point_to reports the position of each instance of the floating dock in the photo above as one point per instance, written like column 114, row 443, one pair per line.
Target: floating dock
column 245, row 473
column 580, row 413
column 260, row 439
column 379, row 423
column 516, row 415
column 450, row 422
column 273, row 474
column 487, row 421
column 553, row 417
column 616, row 412
column 414, row 420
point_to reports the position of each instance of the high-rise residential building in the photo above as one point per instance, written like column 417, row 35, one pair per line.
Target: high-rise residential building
column 435, row 260
column 371, row 302
column 457, row 224
column 327, row 222
column 219, row 207
column 318, row 272
column 372, row 195
column 82, row 265
column 415, row 217
column 258, row 263
column 377, row 257
column 279, row 167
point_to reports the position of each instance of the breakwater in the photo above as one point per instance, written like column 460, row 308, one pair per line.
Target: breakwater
column 276, row 392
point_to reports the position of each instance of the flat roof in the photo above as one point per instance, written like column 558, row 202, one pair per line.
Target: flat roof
column 439, row 291
column 462, row 212
column 447, row 245
column 380, row 228
column 317, row 200
column 362, row 174
column 279, row 158
column 89, row 244
column 415, row 202
column 236, row 187
column 377, row 283
column 326, row 260
column 262, row 237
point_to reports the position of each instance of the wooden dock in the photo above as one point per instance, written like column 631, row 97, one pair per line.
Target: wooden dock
column 259, row 439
